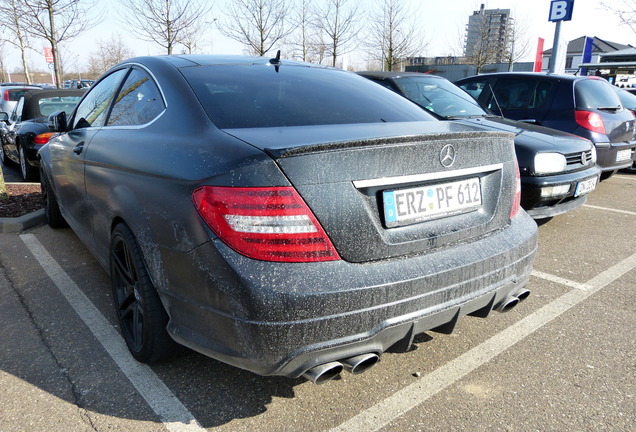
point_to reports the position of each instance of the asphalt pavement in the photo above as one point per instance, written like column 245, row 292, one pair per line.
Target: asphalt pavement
column 563, row 360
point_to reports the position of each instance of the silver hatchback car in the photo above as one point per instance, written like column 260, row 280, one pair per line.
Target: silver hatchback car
column 10, row 94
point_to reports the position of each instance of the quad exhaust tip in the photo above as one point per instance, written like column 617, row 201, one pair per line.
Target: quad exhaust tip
column 325, row 372
column 512, row 300
column 359, row 364
column 356, row 365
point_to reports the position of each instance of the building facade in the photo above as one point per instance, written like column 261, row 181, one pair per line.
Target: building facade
column 488, row 35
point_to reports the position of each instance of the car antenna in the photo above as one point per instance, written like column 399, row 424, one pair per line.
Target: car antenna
column 276, row 60
column 492, row 92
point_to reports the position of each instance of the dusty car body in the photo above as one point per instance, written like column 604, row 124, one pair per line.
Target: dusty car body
column 262, row 212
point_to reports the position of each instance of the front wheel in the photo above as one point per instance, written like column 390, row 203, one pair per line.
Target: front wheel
column 141, row 315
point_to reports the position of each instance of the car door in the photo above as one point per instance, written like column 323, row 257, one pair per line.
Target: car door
column 68, row 152
column 117, row 155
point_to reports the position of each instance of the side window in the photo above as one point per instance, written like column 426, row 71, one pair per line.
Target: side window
column 138, row 102
column 515, row 94
column 474, row 88
column 16, row 115
column 93, row 109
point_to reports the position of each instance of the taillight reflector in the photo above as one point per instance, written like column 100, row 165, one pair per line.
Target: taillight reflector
column 269, row 224
column 516, row 203
column 43, row 138
column 590, row 121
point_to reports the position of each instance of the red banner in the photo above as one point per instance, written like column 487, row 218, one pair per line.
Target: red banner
column 538, row 61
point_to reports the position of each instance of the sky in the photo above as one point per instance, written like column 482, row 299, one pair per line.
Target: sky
column 443, row 23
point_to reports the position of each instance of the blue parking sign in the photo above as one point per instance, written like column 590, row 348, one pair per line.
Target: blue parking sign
column 561, row 10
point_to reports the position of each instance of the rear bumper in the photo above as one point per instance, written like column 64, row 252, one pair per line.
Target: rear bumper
column 606, row 155
column 541, row 206
column 282, row 319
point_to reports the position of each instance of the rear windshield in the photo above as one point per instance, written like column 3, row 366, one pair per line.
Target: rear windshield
column 593, row 94
column 252, row 96
column 15, row 94
column 50, row 105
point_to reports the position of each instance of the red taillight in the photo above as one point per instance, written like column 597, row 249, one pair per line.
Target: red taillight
column 269, row 224
column 43, row 138
column 590, row 121
column 516, row 203
column 7, row 95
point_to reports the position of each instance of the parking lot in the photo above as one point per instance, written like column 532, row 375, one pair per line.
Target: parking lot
column 565, row 359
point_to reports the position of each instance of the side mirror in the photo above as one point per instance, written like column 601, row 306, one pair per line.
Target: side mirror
column 4, row 117
column 57, row 122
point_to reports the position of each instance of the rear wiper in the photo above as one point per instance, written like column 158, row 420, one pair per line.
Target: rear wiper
column 614, row 108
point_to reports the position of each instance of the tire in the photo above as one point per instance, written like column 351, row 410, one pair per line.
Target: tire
column 29, row 173
column 141, row 315
column 52, row 211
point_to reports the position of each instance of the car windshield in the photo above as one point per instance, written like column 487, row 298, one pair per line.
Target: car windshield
column 594, row 94
column 440, row 97
column 253, row 96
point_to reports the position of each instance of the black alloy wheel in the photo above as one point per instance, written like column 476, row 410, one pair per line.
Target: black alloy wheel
column 52, row 211
column 141, row 315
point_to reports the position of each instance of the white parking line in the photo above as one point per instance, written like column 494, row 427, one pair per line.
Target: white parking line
column 561, row 281
column 174, row 415
column 610, row 209
column 398, row 404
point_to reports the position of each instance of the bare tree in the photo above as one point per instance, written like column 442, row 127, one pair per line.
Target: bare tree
column 625, row 11
column 3, row 65
column 109, row 53
column 259, row 24
column 519, row 44
column 393, row 33
column 164, row 22
column 303, row 38
column 12, row 20
column 56, row 21
column 339, row 22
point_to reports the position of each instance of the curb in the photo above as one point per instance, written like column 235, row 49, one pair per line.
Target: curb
column 22, row 223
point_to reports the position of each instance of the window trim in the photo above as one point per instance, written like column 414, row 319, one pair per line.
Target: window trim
column 130, row 67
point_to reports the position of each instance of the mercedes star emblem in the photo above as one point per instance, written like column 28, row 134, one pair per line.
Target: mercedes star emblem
column 447, row 155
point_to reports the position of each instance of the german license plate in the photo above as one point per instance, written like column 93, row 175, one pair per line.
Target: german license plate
column 407, row 206
column 586, row 186
column 623, row 155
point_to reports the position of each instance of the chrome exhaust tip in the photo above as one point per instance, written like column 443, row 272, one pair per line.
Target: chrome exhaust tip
column 523, row 294
column 361, row 363
column 507, row 304
column 325, row 372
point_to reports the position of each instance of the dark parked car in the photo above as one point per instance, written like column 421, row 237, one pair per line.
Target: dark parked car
column 558, row 170
column 582, row 105
column 285, row 218
column 28, row 127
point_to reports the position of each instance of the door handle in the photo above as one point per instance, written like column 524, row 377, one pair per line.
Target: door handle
column 79, row 148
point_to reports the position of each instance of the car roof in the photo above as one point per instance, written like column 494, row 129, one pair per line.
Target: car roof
column 189, row 60
column 394, row 74
column 532, row 74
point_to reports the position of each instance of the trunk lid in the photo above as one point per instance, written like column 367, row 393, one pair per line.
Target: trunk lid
column 347, row 182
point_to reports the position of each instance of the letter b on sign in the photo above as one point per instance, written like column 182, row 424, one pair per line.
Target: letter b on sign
column 561, row 10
